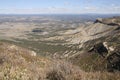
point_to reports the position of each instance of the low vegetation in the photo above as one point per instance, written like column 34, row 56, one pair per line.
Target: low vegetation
column 42, row 58
column 17, row 63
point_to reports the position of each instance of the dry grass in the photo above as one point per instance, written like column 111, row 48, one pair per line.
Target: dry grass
column 62, row 70
column 17, row 64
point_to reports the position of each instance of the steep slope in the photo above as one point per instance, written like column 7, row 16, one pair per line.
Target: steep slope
column 109, row 21
column 91, row 32
column 17, row 63
column 94, row 61
column 86, row 33
column 76, row 38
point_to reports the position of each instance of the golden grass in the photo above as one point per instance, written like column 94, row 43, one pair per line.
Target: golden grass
column 62, row 70
column 20, row 65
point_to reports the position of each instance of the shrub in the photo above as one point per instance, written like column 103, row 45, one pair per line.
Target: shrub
column 62, row 70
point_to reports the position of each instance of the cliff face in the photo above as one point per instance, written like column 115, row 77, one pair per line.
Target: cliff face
column 84, row 33
column 81, row 39
column 93, row 31
column 106, row 32
column 109, row 21
column 112, row 36
column 100, row 28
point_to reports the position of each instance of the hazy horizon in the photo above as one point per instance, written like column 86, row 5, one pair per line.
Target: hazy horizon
column 59, row 6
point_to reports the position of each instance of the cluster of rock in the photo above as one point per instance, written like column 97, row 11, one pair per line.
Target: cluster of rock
column 109, row 21
column 110, row 53
column 108, row 46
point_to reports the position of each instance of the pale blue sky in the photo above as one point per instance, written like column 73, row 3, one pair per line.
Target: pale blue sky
column 59, row 6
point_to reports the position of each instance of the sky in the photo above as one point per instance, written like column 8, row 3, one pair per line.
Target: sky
column 59, row 6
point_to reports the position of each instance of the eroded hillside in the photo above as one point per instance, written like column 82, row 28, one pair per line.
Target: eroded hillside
column 61, row 53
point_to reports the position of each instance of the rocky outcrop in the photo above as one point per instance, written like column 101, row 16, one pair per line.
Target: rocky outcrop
column 102, row 44
column 110, row 53
column 114, row 21
column 100, row 28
